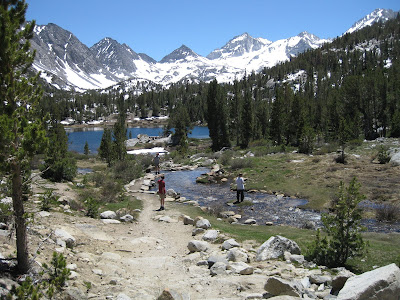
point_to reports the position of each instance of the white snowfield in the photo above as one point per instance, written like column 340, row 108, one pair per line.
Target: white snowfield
column 154, row 150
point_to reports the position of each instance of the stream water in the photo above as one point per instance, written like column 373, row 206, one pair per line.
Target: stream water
column 265, row 207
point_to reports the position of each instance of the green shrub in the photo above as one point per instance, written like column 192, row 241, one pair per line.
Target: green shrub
column 387, row 213
column 383, row 155
column 6, row 213
column 55, row 275
column 48, row 199
column 126, row 170
column 241, row 163
column 52, row 281
column 92, row 207
column 342, row 227
column 226, row 157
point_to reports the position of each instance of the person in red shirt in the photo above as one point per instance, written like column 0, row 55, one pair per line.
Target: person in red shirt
column 161, row 192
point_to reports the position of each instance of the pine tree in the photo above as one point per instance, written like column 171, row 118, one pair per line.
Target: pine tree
column 119, row 134
column 247, row 119
column 86, row 148
column 59, row 165
column 217, row 117
column 21, row 130
column 105, row 149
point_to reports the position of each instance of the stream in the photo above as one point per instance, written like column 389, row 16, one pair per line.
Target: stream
column 265, row 207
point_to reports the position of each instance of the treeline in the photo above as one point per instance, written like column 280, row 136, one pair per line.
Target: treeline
column 348, row 89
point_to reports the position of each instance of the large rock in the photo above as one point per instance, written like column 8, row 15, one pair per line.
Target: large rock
column 210, row 235
column 395, row 159
column 219, row 268
column 65, row 237
column 203, row 223
column 279, row 287
column 228, row 244
column 197, row 246
column 237, row 255
column 275, row 247
column 241, row 268
column 381, row 283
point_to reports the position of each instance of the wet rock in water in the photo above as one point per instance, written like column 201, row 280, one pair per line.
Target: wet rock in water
column 172, row 193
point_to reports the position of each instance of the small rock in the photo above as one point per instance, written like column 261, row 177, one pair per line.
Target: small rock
column 250, row 222
column 197, row 246
column 228, row 244
column 203, row 223
column 210, row 235
column 109, row 214
column 127, row 218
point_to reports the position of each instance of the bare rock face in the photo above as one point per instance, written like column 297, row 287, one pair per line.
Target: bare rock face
column 381, row 283
column 281, row 287
column 275, row 247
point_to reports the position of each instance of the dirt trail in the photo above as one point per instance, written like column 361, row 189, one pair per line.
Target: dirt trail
column 138, row 260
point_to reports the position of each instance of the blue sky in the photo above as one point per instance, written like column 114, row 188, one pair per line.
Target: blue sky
column 157, row 27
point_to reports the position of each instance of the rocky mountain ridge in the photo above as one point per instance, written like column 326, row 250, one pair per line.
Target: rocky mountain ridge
column 67, row 63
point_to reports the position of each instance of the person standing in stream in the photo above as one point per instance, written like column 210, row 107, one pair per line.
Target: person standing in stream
column 156, row 162
column 161, row 192
column 239, row 189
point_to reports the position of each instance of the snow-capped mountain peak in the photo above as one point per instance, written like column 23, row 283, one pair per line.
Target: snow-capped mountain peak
column 378, row 15
column 65, row 62
column 238, row 46
column 181, row 54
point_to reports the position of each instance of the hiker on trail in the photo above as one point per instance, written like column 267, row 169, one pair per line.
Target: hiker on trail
column 156, row 162
column 161, row 192
column 239, row 189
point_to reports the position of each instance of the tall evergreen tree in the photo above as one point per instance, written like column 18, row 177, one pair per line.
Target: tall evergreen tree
column 217, row 117
column 105, row 149
column 21, row 130
column 59, row 165
column 119, row 134
column 247, row 119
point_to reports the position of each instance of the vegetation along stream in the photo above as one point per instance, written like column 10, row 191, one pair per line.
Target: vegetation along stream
column 259, row 206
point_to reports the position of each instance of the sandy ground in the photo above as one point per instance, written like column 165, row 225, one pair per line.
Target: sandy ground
column 139, row 259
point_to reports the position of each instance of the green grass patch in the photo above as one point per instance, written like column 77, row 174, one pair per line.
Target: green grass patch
column 383, row 249
column 127, row 203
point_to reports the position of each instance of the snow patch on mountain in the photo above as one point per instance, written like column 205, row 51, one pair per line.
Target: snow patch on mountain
column 378, row 15
column 67, row 63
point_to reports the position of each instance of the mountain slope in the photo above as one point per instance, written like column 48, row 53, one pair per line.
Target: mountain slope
column 65, row 62
column 378, row 15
